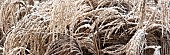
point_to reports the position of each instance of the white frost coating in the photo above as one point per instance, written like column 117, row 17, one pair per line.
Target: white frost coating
column 141, row 31
column 85, row 21
column 1, row 48
column 36, row 3
column 136, row 44
column 84, row 26
column 154, row 8
column 157, row 49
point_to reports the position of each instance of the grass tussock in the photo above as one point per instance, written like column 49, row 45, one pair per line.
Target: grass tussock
column 85, row 27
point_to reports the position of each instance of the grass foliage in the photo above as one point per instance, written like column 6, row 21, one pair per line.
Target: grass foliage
column 85, row 27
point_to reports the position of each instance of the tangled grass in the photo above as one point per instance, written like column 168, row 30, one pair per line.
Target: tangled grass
column 85, row 27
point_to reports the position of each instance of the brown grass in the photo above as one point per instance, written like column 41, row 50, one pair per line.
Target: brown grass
column 85, row 27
